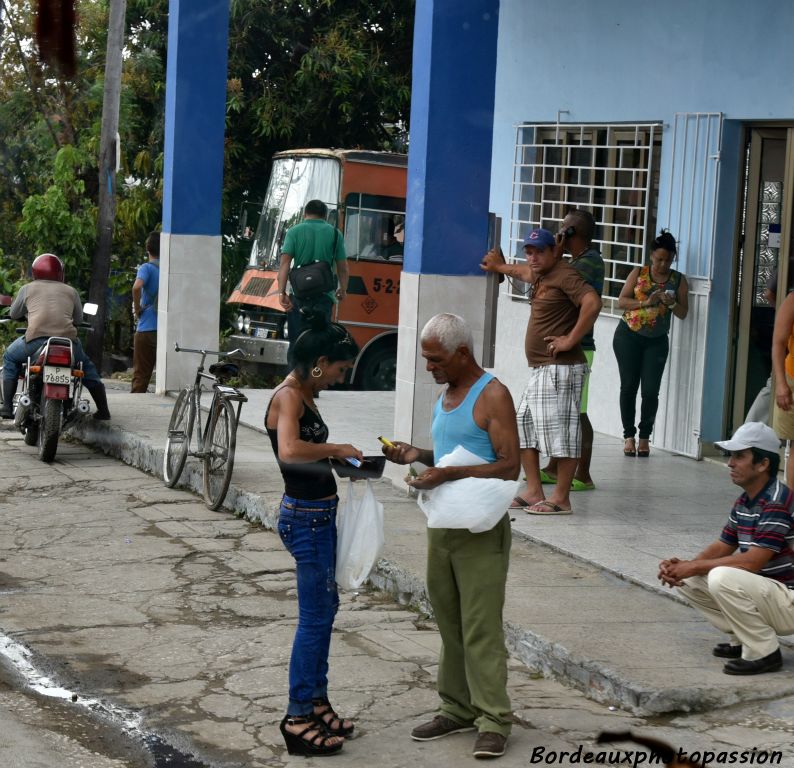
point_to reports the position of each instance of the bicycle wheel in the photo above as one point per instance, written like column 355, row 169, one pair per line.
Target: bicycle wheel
column 219, row 453
column 180, row 430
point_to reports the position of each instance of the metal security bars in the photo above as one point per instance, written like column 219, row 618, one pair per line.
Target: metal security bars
column 611, row 170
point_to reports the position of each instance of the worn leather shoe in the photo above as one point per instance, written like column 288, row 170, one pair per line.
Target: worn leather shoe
column 489, row 744
column 437, row 728
column 771, row 663
column 727, row 651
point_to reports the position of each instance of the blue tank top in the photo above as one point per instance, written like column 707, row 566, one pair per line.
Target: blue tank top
column 457, row 427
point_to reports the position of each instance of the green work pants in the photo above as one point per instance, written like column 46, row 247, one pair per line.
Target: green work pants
column 466, row 574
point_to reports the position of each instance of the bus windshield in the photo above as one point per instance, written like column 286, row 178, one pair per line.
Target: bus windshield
column 293, row 182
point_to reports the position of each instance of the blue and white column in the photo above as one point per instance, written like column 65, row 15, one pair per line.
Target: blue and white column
column 188, row 309
column 449, row 178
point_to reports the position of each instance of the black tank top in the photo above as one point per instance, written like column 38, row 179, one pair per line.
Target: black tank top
column 312, row 480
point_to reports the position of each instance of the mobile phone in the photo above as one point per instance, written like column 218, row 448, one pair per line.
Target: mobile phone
column 387, row 443
column 353, row 460
column 569, row 232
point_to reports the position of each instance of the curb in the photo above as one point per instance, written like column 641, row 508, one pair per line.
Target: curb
column 595, row 680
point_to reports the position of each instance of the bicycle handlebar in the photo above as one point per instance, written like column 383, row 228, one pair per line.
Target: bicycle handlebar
column 237, row 352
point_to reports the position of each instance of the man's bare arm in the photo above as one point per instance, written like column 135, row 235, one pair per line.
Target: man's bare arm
column 717, row 554
column 494, row 412
column 494, row 261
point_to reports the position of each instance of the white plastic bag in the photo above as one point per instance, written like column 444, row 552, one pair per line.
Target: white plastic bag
column 474, row 503
column 359, row 526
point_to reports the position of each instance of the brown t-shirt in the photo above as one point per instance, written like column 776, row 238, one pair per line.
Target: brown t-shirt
column 556, row 298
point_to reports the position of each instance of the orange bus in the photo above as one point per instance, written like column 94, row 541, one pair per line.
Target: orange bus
column 365, row 195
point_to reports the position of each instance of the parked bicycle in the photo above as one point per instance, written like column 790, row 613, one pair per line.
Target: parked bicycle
column 214, row 443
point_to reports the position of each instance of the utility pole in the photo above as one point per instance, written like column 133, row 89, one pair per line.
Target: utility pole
column 108, row 149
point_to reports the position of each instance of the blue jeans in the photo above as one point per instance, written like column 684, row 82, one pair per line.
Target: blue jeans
column 18, row 352
column 308, row 530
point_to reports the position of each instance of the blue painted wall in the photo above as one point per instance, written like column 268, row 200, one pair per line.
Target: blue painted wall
column 449, row 159
column 639, row 61
column 195, row 114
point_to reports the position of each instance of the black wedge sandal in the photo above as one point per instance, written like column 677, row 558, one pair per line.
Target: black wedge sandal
column 327, row 717
column 302, row 744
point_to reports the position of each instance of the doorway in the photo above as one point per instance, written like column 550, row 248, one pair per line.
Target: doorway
column 763, row 266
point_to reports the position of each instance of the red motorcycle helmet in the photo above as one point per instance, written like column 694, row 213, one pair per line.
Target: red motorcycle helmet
column 48, row 267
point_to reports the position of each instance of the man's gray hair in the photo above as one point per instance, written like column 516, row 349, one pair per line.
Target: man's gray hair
column 451, row 331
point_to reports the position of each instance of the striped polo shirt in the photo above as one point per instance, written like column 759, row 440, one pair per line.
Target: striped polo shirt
column 765, row 521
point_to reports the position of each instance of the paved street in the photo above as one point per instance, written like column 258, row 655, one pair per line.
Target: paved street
column 138, row 596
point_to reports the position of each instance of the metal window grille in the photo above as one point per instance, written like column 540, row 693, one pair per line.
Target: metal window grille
column 610, row 170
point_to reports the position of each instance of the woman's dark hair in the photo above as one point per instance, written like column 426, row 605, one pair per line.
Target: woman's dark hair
column 774, row 460
column 665, row 240
column 321, row 339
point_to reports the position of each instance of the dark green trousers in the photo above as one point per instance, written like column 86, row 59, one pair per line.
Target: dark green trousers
column 466, row 574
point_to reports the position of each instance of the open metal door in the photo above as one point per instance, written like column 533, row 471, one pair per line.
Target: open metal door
column 691, row 217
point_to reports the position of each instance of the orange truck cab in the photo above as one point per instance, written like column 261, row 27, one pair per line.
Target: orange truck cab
column 365, row 195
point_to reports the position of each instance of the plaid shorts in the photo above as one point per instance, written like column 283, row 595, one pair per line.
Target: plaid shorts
column 548, row 414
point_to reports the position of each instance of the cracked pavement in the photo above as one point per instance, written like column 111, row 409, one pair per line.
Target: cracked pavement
column 137, row 594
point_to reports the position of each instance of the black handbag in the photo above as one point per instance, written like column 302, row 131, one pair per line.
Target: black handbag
column 312, row 280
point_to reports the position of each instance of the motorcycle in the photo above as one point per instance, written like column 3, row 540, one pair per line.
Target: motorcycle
column 49, row 394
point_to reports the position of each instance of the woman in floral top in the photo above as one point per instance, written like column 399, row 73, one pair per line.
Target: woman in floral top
column 651, row 295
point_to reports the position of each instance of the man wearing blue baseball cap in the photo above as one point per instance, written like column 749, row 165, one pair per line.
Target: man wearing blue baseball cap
column 743, row 583
column 563, row 309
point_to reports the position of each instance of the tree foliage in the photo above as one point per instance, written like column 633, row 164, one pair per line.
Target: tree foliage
column 326, row 73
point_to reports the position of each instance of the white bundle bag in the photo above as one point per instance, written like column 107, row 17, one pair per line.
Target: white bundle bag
column 359, row 531
column 474, row 503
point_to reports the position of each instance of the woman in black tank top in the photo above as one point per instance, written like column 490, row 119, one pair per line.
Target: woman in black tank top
column 307, row 526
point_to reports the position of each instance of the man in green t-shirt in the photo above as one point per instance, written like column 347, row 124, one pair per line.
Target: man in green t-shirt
column 314, row 239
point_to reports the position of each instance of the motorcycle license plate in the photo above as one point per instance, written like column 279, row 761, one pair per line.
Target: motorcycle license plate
column 54, row 374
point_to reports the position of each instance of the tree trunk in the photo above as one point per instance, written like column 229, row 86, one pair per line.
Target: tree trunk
column 107, row 179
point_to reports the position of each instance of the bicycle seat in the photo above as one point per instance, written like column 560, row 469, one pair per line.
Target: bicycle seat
column 224, row 371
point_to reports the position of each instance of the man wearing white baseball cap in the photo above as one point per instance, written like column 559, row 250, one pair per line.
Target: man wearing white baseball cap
column 743, row 583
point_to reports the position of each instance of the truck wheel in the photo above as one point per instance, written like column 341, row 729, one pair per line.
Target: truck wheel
column 378, row 369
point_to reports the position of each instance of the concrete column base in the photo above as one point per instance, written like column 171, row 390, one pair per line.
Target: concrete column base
column 188, row 307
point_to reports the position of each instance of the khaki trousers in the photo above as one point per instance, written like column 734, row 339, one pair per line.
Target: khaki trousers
column 466, row 575
column 751, row 608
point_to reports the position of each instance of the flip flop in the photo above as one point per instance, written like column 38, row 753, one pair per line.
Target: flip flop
column 519, row 503
column 578, row 485
column 547, row 508
column 547, row 479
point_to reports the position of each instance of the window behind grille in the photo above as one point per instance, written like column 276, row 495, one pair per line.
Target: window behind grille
column 610, row 170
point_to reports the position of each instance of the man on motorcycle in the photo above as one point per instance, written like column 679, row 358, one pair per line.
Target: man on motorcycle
column 53, row 308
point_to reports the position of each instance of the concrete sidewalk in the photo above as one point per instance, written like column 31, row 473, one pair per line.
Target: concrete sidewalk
column 582, row 604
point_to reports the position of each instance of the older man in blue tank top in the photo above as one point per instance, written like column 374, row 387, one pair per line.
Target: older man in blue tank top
column 466, row 572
